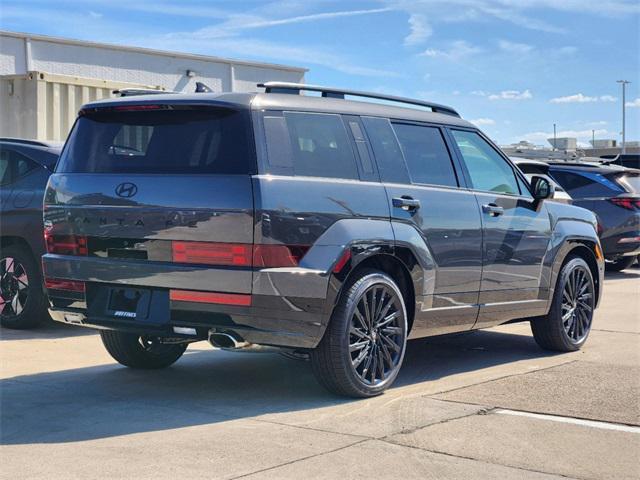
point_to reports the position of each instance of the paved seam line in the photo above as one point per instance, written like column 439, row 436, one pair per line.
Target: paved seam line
column 604, row 425
column 515, row 467
column 498, row 378
column 301, row 459
column 615, row 331
column 482, row 411
column 313, row 429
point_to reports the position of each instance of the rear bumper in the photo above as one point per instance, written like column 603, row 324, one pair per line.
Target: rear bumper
column 627, row 244
column 253, row 324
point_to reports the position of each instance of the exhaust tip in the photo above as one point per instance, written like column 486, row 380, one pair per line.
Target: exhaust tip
column 226, row 341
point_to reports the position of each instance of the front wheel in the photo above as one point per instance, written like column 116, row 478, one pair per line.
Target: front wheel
column 362, row 350
column 143, row 352
column 567, row 325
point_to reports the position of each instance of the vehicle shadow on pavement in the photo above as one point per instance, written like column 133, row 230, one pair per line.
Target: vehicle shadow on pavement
column 207, row 387
column 48, row 329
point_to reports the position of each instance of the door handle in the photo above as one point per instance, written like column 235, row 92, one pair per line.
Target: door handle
column 492, row 209
column 406, row 203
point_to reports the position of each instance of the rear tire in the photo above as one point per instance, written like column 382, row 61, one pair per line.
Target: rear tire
column 134, row 351
column 620, row 264
column 567, row 325
column 23, row 304
column 363, row 347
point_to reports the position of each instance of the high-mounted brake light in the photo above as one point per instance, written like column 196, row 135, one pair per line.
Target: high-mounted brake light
column 66, row 244
column 628, row 203
column 131, row 108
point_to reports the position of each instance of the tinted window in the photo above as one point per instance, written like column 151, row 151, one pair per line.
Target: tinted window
column 488, row 170
column 204, row 140
column 585, row 184
column 426, row 155
column 319, row 146
column 386, row 150
column 13, row 165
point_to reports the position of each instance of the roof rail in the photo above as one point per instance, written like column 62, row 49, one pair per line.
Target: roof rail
column 296, row 88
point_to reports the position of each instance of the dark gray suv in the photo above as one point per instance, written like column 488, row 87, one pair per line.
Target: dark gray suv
column 308, row 224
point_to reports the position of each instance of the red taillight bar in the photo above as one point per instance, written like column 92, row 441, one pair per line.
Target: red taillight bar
column 209, row 253
column 210, row 297
column 238, row 254
column 61, row 284
column 66, row 244
column 625, row 202
column 278, row 255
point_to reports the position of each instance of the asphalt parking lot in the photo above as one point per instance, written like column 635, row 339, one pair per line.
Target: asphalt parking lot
column 488, row 404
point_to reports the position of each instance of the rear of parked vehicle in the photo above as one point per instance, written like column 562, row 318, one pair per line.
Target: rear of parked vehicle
column 25, row 166
column 613, row 194
column 312, row 225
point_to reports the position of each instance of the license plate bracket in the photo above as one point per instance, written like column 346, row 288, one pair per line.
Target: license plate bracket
column 131, row 303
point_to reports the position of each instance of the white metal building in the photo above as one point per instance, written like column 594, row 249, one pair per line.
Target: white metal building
column 44, row 80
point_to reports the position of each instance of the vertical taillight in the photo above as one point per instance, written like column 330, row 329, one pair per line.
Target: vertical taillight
column 66, row 244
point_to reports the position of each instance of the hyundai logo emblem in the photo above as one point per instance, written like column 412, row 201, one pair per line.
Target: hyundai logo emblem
column 126, row 189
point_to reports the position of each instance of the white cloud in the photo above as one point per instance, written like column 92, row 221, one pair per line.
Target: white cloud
column 480, row 93
column 581, row 98
column 419, row 28
column 513, row 47
column 567, row 50
column 511, row 95
column 483, row 121
column 457, row 51
column 634, row 104
column 237, row 23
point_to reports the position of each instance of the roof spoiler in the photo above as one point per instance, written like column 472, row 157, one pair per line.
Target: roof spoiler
column 329, row 92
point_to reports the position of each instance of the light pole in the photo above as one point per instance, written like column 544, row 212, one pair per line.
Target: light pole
column 624, row 84
column 555, row 142
column 593, row 139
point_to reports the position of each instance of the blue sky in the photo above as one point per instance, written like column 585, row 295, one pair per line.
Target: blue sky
column 512, row 66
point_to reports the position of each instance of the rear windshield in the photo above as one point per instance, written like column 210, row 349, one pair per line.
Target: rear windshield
column 193, row 140
column 590, row 184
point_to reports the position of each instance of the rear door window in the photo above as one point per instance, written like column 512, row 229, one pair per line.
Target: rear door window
column 426, row 155
column 309, row 144
column 172, row 140
column 14, row 165
column 386, row 150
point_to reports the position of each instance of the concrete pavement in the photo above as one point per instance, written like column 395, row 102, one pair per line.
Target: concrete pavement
column 489, row 404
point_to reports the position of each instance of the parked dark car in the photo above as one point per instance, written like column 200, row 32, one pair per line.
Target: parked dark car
column 532, row 168
column 613, row 194
column 310, row 224
column 25, row 166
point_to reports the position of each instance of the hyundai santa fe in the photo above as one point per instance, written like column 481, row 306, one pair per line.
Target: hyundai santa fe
column 310, row 224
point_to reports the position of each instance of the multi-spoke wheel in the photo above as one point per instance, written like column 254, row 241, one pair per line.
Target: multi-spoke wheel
column 137, row 351
column 363, row 347
column 14, row 287
column 21, row 296
column 567, row 325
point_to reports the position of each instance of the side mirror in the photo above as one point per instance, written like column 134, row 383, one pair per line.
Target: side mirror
column 541, row 188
